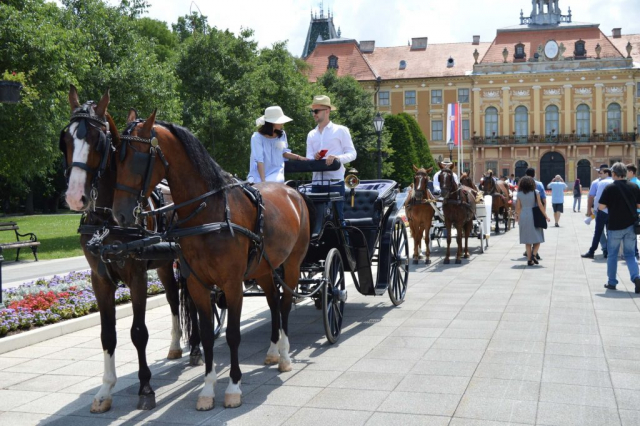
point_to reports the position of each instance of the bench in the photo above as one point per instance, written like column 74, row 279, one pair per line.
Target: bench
column 33, row 240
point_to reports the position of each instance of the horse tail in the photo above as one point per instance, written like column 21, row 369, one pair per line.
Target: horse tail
column 185, row 312
column 312, row 212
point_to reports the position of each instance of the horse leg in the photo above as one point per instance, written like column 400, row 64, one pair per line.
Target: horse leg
column 233, row 394
column 447, row 225
column 415, row 234
column 140, row 335
column 467, row 232
column 459, row 227
column 272, row 295
column 190, row 323
column 105, row 295
column 292, row 272
column 172, row 292
column 427, row 250
column 497, row 219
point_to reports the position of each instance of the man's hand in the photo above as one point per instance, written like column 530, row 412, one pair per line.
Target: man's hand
column 330, row 159
column 317, row 156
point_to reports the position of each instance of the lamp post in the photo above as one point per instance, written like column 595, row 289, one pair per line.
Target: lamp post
column 378, row 124
column 450, row 146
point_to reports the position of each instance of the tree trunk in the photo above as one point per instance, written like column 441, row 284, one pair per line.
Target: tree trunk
column 28, row 205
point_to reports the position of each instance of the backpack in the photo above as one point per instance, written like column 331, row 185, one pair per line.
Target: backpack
column 576, row 192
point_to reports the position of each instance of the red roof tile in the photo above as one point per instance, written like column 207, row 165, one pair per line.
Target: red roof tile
column 621, row 44
column 350, row 61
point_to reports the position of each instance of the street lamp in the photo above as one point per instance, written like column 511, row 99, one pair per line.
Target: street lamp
column 378, row 124
column 450, row 146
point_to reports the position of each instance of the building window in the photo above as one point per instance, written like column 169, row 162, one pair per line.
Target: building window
column 465, row 130
column 383, row 98
column 551, row 120
column 436, row 130
column 436, row 97
column 583, row 122
column 410, row 97
column 491, row 165
column 519, row 52
column 491, row 122
column 463, row 96
column 403, row 65
column 613, row 118
column 333, row 62
column 522, row 124
column 580, row 52
column 637, row 90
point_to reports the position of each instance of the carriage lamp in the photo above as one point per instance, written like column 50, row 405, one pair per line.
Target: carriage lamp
column 450, row 146
column 378, row 124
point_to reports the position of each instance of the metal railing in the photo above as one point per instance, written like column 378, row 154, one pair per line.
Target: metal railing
column 562, row 139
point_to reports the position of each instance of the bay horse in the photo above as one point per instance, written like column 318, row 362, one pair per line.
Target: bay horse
column 420, row 212
column 459, row 206
column 86, row 143
column 217, row 247
column 501, row 195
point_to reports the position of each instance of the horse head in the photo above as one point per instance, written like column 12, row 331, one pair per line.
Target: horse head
column 86, row 147
column 420, row 181
column 448, row 185
column 489, row 184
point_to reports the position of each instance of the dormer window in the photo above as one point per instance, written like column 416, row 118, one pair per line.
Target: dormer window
column 580, row 51
column 333, row 62
column 450, row 62
column 403, row 65
column 519, row 54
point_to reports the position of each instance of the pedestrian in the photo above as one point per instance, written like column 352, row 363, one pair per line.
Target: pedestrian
column 512, row 179
column 631, row 177
column 531, row 172
column 557, row 187
column 577, row 195
column 590, row 201
column 622, row 200
column 269, row 148
column 602, row 217
column 330, row 142
column 532, row 237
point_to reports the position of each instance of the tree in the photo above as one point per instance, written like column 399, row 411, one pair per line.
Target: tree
column 404, row 149
column 425, row 159
column 164, row 40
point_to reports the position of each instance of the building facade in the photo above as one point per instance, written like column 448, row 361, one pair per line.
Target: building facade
column 549, row 93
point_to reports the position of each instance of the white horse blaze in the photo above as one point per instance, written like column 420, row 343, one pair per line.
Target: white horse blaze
column 109, row 378
column 209, row 384
column 283, row 348
column 78, row 176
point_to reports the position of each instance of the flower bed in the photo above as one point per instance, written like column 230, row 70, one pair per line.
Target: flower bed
column 42, row 302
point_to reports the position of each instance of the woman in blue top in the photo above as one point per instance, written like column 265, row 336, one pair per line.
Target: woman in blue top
column 269, row 148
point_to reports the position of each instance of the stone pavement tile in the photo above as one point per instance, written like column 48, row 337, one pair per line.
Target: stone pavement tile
column 523, row 326
column 30, row 352
column 630, row 341
column 470, row 355
column 366, row 381
column 327, row 364
column 397, row 419
column 473, row 324
column 250, row 415
column 520, row 390
column 499, row 345
column 574, row 329
column 526, row 336
column 292, row 396
column 426, row 323
column 576, row 377
column 622, row 352
column 322, row 417
column 47, row 383
column 508, row 372
column 63, row 342
column 27, row 419
column 506, row 410
column 576, row 415
column 628, row 399
column 461, row 333
column 572, row 349
column 463, row 344
column 433, row 384
column 459, row 421
column 577, row 395
column 57, row 403
column 38, row 366
column 408, row 342
column 420, row 403
column 6, row 362
column 76, row 354
column 360, row 330
column 628, row 417
column 10, row 399
column 624, row 365
column 397, row 354
column 626, row 381
column 418, row 332
column 10, row 379
column 307, row 378
column 525, row 317
column 581, row 339
column 375, row 365
column 97, row 343
column 355, row 340
column 349, row 399
column 432, row 306
column 572, row 319
column 444, row 315
column 444, row 368
column 483, row 307
column 616, row 330
column 480, row 316
column 575, row 362
column 519, row 358
column 122, row 409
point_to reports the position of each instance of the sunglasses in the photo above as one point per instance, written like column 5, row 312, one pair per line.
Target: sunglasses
column 316, row 111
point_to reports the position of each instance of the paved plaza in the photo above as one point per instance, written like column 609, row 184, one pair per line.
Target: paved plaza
column 488, row 342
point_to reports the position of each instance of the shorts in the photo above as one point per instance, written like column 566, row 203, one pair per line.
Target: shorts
column 558, row 207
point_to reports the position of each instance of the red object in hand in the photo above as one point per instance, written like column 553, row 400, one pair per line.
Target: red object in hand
column 323, row 153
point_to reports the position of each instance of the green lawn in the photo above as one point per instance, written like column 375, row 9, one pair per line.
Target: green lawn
column 57, row 234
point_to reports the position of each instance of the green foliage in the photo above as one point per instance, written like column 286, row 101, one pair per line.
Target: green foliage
column 404, row 149
column 425, row 159
column 165, row 42
column 190, row 24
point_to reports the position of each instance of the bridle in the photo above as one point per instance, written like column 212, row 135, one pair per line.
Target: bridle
column 85, row 116
column 418, row 195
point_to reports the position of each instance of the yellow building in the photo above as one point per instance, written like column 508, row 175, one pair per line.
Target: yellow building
column 549, row 93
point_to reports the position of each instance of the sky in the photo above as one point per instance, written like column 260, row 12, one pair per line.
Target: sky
column 389, row 23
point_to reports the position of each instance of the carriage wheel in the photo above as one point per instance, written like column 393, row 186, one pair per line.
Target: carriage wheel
column 333, row 295
column 399, row 262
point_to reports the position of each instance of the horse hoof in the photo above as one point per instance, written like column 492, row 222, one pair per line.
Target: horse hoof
column 175, row 354
column 458, row 261
column 232, row 400
column 205, row 403
column 146, row 402
column 195, row 360
column 466, row 256
column 272, row 359
column 284, row 367
column 446, row 261
column 427, row 262
column 415, row 261
column 101, row 406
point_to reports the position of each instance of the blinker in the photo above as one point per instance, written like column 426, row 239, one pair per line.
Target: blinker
column 81, row 131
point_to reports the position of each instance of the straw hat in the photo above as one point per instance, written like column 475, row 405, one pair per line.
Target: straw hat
column 274, row 115
column 322, row 100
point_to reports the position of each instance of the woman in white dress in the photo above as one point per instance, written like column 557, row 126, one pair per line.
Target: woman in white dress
column 269, row 148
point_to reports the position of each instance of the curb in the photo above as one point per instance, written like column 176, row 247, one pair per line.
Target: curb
column 41, row 334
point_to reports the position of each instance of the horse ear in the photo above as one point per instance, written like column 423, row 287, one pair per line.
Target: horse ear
column 132, row 115
column 452, row 166
column 440, row 165
column 73, row 97
column 415, row 169
column 148, row 125
column 429, row 170
column 103, row 104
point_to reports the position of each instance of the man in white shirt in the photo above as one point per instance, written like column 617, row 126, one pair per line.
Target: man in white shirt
column 329, row 141
column 436, row 182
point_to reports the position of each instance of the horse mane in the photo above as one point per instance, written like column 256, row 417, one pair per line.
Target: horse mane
column 205, row 165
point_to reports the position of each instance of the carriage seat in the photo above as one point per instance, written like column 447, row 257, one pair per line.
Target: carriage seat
column 366, row 210
column 323, row 204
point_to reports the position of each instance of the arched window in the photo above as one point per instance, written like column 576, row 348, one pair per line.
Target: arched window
column 491, row 122
column 551, row 120
column 580, row 52
column 613, row 118
column 333, row 62
column 519, row 54
column 522, row 124
column 583, row 122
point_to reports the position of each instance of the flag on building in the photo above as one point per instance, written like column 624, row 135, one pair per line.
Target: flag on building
column 454, row 124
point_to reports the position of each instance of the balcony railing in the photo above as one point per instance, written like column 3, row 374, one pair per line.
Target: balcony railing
column 563, row 139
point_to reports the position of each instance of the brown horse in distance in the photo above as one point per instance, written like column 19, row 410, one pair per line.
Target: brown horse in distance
column 466, row 180
column 501, row 195
column 420, row 212
column 459, row 206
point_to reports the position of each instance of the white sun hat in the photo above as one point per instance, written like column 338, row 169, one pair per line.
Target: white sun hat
column 274, row 115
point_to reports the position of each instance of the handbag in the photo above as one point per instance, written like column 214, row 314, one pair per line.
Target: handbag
column 634, row 211
column 538, row 218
